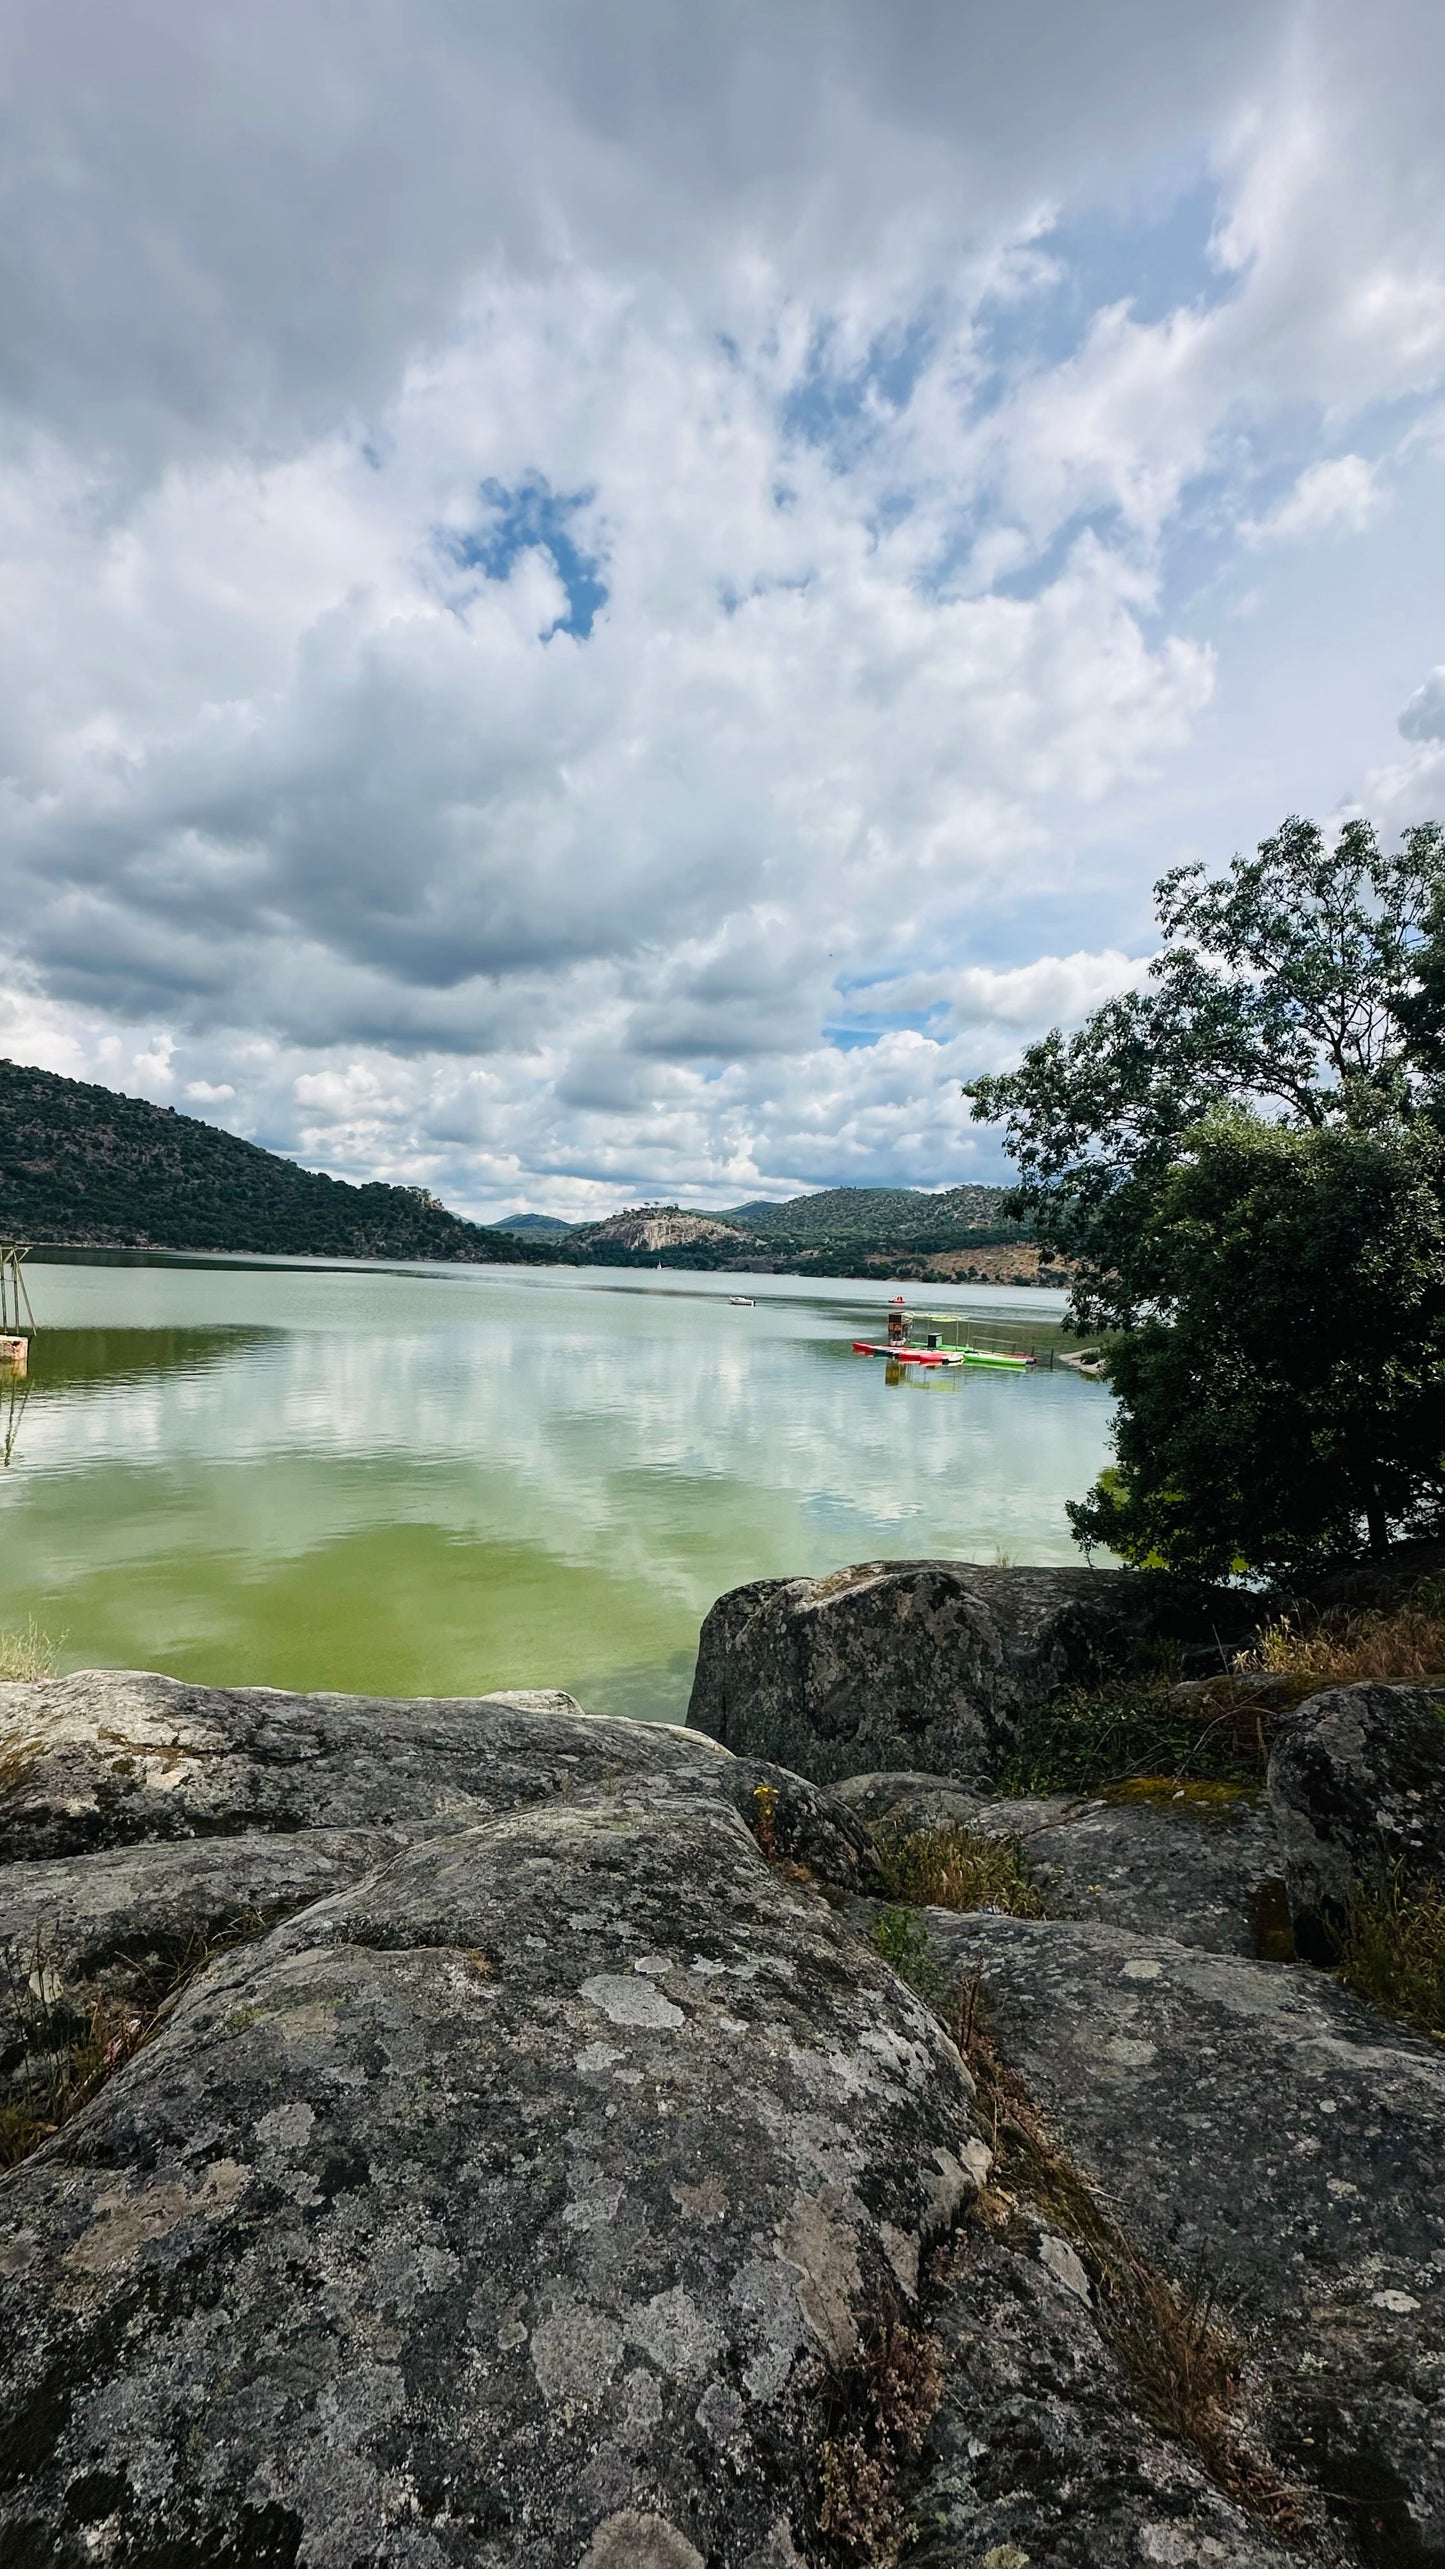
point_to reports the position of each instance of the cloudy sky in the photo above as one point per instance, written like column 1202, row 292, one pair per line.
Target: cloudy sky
column 601, row 602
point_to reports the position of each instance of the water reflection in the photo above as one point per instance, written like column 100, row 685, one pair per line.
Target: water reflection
column 73, row 1360
column 14, row 1393
column 440, row 1482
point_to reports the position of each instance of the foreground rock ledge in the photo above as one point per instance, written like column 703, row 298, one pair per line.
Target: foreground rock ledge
column 509, row 2204
column 534, row 2170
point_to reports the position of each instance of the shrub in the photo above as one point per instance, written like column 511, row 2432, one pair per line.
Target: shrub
column 1137, row 1727
column 955, row 1868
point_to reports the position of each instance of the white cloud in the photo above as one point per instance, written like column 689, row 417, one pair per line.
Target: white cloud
column 314, row 812
column 1056, row 990
column 1340, row 496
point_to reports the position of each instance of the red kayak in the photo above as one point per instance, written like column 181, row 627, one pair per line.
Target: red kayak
column 902, row 1355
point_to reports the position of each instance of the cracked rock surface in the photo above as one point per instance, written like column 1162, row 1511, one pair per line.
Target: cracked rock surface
column 521, row 2187
column 1038, row 2451
column 1205, row 1869
column 508, row 2201
column 111, row 1758
column 1255, row 2125
column 542, row 2173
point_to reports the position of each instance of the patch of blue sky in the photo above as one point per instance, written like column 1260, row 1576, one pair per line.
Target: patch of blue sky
column 1156, row 258
column 837, row 405
column 531, row 515
column 851, row 1039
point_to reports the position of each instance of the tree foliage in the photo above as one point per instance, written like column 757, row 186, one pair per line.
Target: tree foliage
column 1287, row 1387
column 1294, row 983
column 1244, row 1161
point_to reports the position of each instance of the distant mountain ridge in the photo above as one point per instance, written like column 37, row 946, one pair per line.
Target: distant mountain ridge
column 841, row 1231
column 903, row 1213
column 85, row 1165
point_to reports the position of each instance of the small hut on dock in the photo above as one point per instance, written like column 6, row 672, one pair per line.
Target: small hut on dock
column 17, row 1320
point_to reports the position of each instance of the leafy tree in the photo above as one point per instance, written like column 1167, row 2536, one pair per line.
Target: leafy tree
column 1288, row 1383
column 1298, row 982
column 1243, row 1162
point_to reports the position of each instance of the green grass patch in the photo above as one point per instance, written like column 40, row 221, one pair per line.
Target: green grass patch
column 1394, row 1952
column 901, row 1937
column 1209, row 1797
column 1137, row 1727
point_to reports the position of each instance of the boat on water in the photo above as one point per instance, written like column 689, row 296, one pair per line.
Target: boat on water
column 909, row 1355
column 899, row 1344
column 1003, row 1361
column 743, row 1301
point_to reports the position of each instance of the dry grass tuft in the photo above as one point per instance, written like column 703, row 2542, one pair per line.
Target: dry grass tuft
column 1183, row 2362
column 956, row 1868
column 1351, row 1646
column 56, row 2052
column 26, row 1653
column 877, row 2416
column 1394, row 1952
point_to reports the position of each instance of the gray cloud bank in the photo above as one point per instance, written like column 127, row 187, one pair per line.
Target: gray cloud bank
column 586, row 591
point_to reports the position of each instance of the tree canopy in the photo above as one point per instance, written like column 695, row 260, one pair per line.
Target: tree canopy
column 1244, row 1162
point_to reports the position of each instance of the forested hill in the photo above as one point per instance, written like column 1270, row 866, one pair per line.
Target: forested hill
column 881, row 1217
column 82, row 1164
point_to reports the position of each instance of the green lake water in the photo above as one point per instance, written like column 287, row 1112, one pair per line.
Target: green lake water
column 439, row 1480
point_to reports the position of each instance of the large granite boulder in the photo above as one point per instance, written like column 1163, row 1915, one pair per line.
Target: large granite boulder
column 1200, row 1863
column 1270, row 2140
column 511, row 2206
column 521, row 2162
column 110, row 1758
column 923, row 1664
column 1357, row 1786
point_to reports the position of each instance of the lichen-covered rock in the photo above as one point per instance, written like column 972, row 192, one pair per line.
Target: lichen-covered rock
column 1200, row 1863
column 514, row 2201
column 111, row 1758
column 918, row 1664
column 1039, row 2455
column 1357, row 1785
column 140, row 1904
column 542, row 2174
column 1259, row 2131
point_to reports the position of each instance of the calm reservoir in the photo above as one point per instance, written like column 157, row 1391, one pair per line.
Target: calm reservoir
column 438, row 1480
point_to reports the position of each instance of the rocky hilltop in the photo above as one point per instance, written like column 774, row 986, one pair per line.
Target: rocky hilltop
column 456, row 2134
column 647, row 1227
